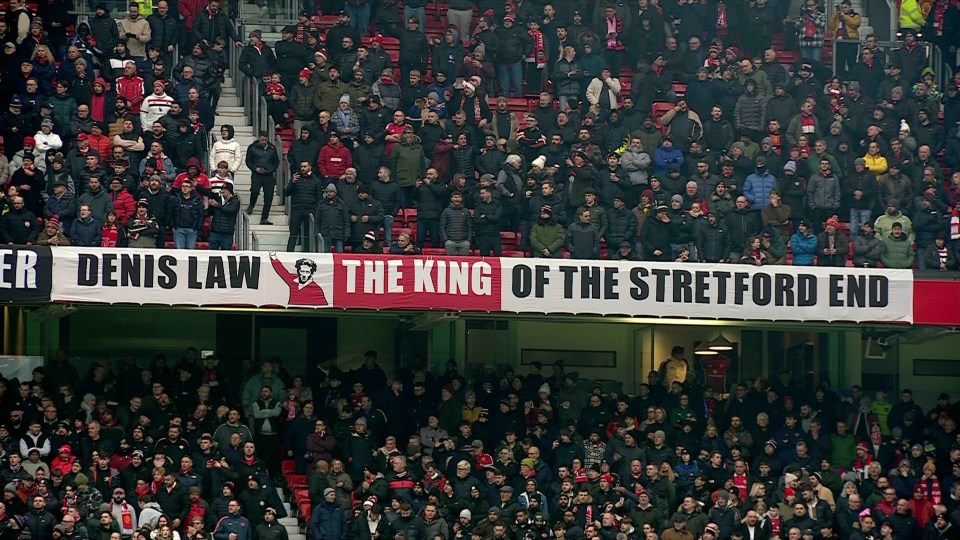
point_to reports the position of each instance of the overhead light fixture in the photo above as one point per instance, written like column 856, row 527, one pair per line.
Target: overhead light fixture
column 703, row 349
column 720, row 343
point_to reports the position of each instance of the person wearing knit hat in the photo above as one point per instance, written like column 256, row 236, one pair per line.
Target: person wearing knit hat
column 547, row 236
column 51, row 235
column 255, row 34
column 540, row 162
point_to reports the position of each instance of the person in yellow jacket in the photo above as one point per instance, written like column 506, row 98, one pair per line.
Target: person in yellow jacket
column 911, row 15
column 845, row 22
column 844, row 25
column 876, row 163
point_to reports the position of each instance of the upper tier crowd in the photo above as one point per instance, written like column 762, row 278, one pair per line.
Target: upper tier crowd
column 661, row 131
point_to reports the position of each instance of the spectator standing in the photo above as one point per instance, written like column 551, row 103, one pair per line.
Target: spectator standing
column 223, row 207
column 304, row 191
column 186, row 216
column 262, row 160
column 456, row 226
column 333, row 219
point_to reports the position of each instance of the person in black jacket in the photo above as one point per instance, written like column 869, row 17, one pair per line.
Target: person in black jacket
column 305, row 148
column 514, row 45
column 304, row 193
column 657, row 235
column 262, row 160
column 486, row 224
column 19, row 226
column 173, row 500
column 257, row 58
column 224, row 209
column 333, row 219
column 212, row 23
column 165, row 30
column 366, row 215
column 432, row 196
column 413, row 48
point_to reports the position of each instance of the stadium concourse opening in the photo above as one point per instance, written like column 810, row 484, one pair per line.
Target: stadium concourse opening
column 620, row 351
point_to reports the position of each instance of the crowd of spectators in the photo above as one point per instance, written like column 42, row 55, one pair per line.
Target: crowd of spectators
column 651, row 136
column 194, row 449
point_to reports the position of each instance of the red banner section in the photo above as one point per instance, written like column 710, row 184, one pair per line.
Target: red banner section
column 936, row 301
column 442, row 283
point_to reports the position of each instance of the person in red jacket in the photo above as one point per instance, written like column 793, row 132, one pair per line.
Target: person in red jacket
column 123, row 202
column 195, row 172
column 131, row 87
column 334, row 159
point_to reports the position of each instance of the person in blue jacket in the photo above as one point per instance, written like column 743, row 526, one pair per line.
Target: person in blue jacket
column 758, row 185
column 233, row 526
column 803, row 243
column 328, row 520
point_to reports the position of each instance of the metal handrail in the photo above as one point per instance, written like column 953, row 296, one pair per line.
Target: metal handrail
column 310, row 243
column 256, row 241
column 243, row 227
column 321, row 243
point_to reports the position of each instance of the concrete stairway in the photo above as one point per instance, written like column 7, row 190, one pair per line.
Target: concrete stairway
column 229, row 111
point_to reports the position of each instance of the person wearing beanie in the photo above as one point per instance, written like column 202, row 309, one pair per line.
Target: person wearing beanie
column 547, row 236
column 256, row 58
column 51, row 235
column 369, row 245
column 832, row 244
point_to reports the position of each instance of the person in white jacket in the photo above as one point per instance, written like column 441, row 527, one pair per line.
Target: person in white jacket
column 155, row 105
column 226, row 149
column 604, row 83
column 46, row 139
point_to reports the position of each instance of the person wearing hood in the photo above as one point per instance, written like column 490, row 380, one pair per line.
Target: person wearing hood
column 547, row 237
column 448, row 53
column 226, row 149
column 759, row 185
column 101, row 100
column 303, row 148
column 193, row 173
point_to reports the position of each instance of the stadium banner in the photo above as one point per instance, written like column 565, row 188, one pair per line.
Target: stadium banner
column 25, row 274
column 707, row 291
column 473, row 284
column 405, row 282
column 193, row 278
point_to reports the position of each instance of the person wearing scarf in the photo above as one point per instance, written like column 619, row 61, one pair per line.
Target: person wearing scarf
column 536, row 59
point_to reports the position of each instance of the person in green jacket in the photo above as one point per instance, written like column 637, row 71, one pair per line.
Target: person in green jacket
column 406, row 160
column 547, row 236
column 897, row 249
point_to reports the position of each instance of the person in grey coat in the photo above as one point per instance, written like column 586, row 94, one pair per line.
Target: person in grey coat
column 456, row 226
column 333, row 219
column 583, row 237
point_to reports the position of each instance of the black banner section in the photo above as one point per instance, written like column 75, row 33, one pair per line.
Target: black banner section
column 26, row 274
